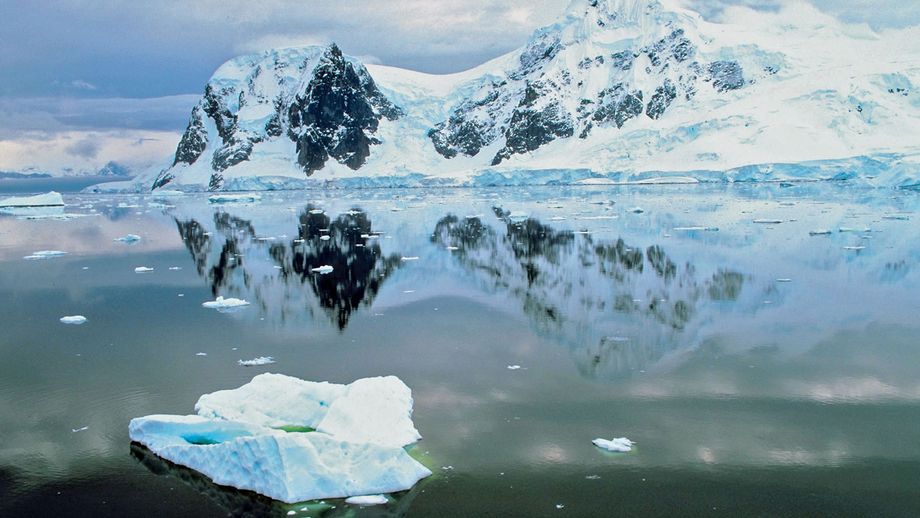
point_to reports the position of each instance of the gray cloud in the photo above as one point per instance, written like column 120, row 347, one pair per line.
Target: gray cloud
column 86, row 148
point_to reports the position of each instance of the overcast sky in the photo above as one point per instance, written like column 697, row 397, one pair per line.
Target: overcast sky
column 63, row 62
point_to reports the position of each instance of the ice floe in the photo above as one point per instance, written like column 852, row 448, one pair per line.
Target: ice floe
column 619, row 444
column 224, row 303
column 128, row 239
column 50, row 199
column 366, row 500
column 311, row 440
column 234, row 198
column 44, row 254
column 74, row 320
column 255, row 362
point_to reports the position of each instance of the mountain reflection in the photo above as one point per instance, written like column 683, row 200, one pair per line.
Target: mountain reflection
column 619, row 307
column 228, row 260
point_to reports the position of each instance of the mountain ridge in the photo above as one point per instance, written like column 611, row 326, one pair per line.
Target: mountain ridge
column 617, row 88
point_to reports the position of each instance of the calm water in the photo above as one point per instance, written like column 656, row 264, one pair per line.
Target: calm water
column 761, row 370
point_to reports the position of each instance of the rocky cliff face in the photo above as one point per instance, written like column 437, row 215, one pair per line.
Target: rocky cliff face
column 327, row 105
column 568, row 80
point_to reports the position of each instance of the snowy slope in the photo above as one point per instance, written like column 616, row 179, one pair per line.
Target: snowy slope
column 615, row 91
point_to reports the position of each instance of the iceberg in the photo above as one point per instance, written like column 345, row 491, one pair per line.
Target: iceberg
column 620, row 444
column 234, row 198
column 44, row 254
column 74, row 319
column 255, row 362
column 295, row 440
column 50, row 199
column 366, row 500
column 128, row 239
column 222, row 303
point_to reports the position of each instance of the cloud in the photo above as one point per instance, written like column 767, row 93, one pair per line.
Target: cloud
column 85, row 148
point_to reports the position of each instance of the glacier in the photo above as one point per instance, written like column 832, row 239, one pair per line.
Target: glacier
column 614, row 92
column 295, row 440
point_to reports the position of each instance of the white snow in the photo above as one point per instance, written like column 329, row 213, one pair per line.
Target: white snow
column 620, row 444
column 322, row 270
column 237, row 429
column 255, row 362
column 74, row 319
column 130, row 238
column 50, row 199
column 143, row 269
column 366, row 500
column 224, row 303
column 44, row 254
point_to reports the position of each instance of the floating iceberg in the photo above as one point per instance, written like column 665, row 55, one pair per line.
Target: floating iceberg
column 129, row 239
column 50, row 199
column 222, row 303
column 75, row 320
column 234, row 198
column 366, row 500
column 295, row 440
column 255, row 362
column 620, row 444
column 44, row 254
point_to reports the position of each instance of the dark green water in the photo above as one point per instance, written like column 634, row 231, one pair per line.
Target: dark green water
column 760, row 369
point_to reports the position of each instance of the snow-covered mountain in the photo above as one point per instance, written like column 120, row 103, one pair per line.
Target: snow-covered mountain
column 616, row 90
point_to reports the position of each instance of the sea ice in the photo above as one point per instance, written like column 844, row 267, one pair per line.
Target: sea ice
column 130, row 238
column 255, row 362
column 620, row 444
column 322, row 270
column 222, row 303
column 44, row 254
column 270, row 423
column 50, row 199
column 366, row 500
column 74, row 319
column 234, row 198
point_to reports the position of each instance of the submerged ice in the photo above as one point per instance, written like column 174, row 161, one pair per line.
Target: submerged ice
column 295, row 440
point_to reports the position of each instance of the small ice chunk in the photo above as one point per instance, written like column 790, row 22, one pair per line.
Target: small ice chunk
column 222, row 303
column 317, row 211
column 201, row 354
column 897, row 217
column 128, row 239
column 175, row 268
column 517, row 215
column 513, row 367
column 255, row 362
column 453, row 248
column 620, row 444
column 143, row 269
column 767, row 221
column 81, row 429
column 783, row 279
column 366, row 500
column 409, row 258
column 560, row 506
column 822, row 232
column 74, row 320
column 854, row 248
column 637, row 210
column 44, row 254
column 322, row 270
column 324, row 238
column 234, row 198
column 694, row 229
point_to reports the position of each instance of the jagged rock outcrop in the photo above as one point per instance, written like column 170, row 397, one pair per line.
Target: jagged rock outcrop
column 544, row 98
column 325, row 103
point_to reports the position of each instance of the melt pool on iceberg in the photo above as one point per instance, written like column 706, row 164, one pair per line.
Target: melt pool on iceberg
column 295, row 440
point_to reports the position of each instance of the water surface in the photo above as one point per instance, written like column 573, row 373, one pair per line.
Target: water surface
column 761, row 369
